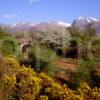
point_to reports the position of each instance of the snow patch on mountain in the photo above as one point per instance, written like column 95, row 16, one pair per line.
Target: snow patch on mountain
column 94, row 19
column 60, row 23
column 28, row 24
column 64, row 24
column 84, row 19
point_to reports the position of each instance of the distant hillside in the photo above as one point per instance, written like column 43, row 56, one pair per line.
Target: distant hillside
column 83, row 22
column 46, row 32
column 52, row 32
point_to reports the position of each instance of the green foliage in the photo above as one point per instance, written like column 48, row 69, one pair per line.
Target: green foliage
column 19, row 55
column 90, row 31
column 9, row 46
column 73, row 31
column 43, row 56
column 3, row 33
column 53, row 69
column 84, row 39
column 83, row 72
column 42, row 53
column 96, row 42
column 96, row 48
column 45, row 59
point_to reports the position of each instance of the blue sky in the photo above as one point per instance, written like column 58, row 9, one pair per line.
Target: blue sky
column 12, row 11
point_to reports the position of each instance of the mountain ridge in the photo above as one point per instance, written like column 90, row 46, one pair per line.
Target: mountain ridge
column 80, row 22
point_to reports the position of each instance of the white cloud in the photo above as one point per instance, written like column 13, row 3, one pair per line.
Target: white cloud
column 34, row 1
column 10, row 16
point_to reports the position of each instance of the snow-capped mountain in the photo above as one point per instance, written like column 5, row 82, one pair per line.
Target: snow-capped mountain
column 32, row 24
column 81, row 21
column 21, row 24
column 27, row 26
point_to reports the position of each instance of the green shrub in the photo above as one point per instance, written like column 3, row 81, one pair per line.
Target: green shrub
column 96, row 48
column 83, row 72
column 42, row 56
column 53, row 70
column 19, row 55
column 9, row 46
column 3, row 34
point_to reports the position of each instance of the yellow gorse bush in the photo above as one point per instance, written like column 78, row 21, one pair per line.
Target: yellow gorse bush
column 87, row 93
column 9, row 67
column 23, row 83
column 29, row 84
column 7, row 84
column 43, row 97
column 9, row 80
column 12, row 66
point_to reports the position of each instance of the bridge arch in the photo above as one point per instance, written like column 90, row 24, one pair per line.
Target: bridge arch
column 26, row 47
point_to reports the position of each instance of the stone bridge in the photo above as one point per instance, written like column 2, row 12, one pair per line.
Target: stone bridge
column 25, row 45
